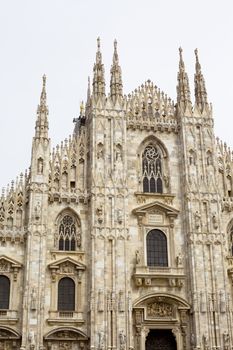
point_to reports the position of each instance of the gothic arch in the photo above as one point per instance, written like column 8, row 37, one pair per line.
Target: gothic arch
column 68, row 230
column 153, row 168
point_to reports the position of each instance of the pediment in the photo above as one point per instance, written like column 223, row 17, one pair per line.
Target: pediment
column 66, row 262
column 6, row 261
column 156, row 207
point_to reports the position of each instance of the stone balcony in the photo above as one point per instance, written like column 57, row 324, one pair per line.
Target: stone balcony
column 8, row 316
column 159, row 276
column 65, row 317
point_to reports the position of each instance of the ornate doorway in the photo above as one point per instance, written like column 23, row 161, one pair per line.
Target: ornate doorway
column 160, row 339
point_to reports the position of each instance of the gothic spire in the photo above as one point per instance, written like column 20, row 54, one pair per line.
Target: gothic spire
column 116, row 79
column 183, row 91
column 98, row 74
column 200, row 89
column 42, row 114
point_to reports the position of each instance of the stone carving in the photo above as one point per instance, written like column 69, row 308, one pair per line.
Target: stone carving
column 226, row 341
column 122, row 339
column 38, row 210
column 179, row 260
column 31, row 338
column 137, row 257
column 118, row 153
column 65, row 346
column 192, row 339
column 120, row 302
column 33, row 299
column 119, row 216
column 205, row 341
column 4, row 266
column 101, row 340
column 40, row 166
column 100, row 151
column 99, row 213
column 197, row 219
column 159, row 309
column 66, row 268
column 214, row 221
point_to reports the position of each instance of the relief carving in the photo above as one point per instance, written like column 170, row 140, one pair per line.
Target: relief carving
column 159, row 309
column 4, row 266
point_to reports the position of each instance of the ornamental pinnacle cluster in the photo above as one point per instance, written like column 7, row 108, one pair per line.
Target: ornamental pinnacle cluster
column 120, row 238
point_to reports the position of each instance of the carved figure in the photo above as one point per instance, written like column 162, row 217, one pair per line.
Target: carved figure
column 226, row 340
column 101, row 340
column 31, row 338
column 122, row 339
column 40, row 166
column 197, row 218
column 38, row 210
column 205, row 341
column 192, row 339
column 138, row 258
column 214, row 221
column 222, row 301
column 179, row 260
column 33, row 299
column 119, row 216
column 159, row 309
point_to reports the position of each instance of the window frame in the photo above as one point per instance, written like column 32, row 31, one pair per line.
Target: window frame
column 156, row 257
column 9, row 291
column 74, row 294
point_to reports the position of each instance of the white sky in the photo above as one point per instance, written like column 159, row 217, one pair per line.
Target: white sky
column 58, row 38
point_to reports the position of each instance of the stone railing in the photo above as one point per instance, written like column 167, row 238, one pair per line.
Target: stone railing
column 65, row 316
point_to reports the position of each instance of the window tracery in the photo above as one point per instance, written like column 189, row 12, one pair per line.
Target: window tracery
column 152, row 170
column 69, row 235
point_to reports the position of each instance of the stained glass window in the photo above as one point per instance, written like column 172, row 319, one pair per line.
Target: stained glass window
column 152, row 170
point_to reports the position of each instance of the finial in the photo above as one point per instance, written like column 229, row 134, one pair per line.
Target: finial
column 198, row 66
column 181, row 57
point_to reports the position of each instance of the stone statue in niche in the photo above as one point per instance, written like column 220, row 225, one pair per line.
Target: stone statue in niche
column 120, row 216
column 137, row 257
column 33, row 298
column 118, row 153
column 101, row 340
column 122, row 339
column 205, row 341
column 179, row 260
column 100, row 151
column 40, row 166
column 38, row 210
column 197, row 219
column 226, row 341
column 79, row 239
column 222, row 301
column 99, row 213
column 214, row 221
column 31, row 338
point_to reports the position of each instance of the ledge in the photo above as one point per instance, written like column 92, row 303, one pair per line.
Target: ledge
column 65, row 317
column 8, row 316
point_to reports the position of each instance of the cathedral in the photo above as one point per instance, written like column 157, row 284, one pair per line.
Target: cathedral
column 120, row 238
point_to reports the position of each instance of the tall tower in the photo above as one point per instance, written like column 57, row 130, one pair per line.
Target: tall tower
column 35, row 261
column 205, row 238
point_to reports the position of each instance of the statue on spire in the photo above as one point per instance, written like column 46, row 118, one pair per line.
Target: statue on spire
column 183, row 90
column 116, row 87
column 98, row 74
column 200, row 89
column 42, row 113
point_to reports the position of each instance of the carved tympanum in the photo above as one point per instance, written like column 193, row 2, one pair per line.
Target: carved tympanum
column 159, row 309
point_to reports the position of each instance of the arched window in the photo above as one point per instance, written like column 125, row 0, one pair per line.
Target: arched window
column 156, row 243
column 69, row 238
column 4, row 292
column 66, row 294
column 152, row 170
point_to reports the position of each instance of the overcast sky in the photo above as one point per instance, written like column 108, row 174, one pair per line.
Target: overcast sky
column 58, row 38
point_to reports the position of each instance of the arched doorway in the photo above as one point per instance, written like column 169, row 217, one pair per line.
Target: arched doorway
column 160, row 339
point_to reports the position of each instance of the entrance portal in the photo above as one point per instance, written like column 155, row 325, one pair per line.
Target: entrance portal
column 160, row 339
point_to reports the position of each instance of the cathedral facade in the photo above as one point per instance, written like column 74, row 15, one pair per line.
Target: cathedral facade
column 121, row 237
